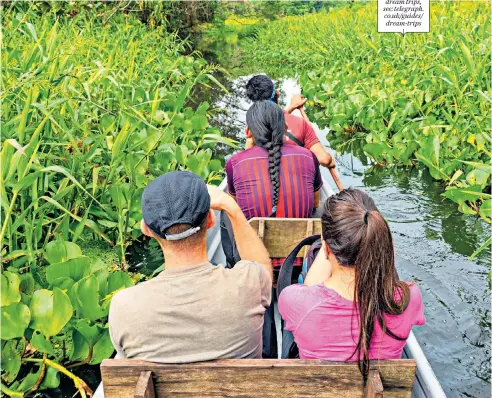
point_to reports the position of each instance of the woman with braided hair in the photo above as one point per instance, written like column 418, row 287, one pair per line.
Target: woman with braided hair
column 271, row 179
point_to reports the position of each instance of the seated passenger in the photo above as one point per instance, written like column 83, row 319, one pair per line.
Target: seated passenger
column 300, row 132
column 271, row 179
column 352, row 306
column 193, row 311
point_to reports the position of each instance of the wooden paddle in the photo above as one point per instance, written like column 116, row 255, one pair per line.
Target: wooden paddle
column 336, row 179
column 332, row 170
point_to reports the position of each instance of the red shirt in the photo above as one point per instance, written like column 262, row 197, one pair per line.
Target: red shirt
column 301, row 129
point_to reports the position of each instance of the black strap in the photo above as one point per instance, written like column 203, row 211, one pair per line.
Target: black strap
column 293, row 138
column 285, row 276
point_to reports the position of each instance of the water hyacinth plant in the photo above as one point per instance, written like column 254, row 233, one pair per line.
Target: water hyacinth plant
column 419, row 99
column 92, row 109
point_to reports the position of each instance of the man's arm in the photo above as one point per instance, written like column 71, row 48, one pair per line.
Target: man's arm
column 324, row 158
column 249, row 245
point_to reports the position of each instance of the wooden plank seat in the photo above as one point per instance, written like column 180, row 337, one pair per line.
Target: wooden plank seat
column 125, row 378
column 281, row 235
column 289, row 378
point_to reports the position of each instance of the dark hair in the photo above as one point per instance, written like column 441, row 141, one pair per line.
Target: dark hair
column 261, row 88
column 267, row 125
column 360, row 238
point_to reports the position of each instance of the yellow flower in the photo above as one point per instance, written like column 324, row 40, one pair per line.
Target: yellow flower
column 403, row 82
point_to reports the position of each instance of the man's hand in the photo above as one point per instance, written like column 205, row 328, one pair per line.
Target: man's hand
column 297, row 101
column 220, row 200
column 249, row 245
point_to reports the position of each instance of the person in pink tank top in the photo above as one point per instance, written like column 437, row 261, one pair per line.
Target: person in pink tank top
column 352, row 306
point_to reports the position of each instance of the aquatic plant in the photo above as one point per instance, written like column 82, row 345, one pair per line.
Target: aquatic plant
column 421, row 99
column 90, row 113
column 92, row 109
column 54, row 318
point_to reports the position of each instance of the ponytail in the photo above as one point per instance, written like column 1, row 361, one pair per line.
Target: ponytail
column 267, row 124
column 360, row 237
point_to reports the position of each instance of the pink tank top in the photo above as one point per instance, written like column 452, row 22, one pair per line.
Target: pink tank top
column 326, row 325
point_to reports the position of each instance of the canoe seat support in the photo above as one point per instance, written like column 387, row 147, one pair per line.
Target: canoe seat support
column 374, row 387
column 295, row 378
column 145, row 386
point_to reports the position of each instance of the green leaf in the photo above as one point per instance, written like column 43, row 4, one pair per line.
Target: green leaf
column 193, row 164
column 40, row 343
column 9, row 288
column 27, row 283
column 199, row 122
column 50, row 311
column 481, row 166
column 51, row 379
column 477, row 177
column 379, row 152
column 86, row 293
column 430, row 148
column 455, row 176
column 434, row 170
column 59, row 251
column 121, row 139
column 75, row 268
column 11, row 361
column 459, row 195
column 14, row 320
column 215, row 165
column 487, row 243
column 181, row 153
column 29, row 381
column 102, row 349
column 64, row 284
column 80, row 347
column 118, row 280
column 465, row 209
column 178, row 105
column 90, row 333
column 485, row 210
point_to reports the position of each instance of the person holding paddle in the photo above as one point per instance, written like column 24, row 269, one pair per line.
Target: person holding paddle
column 272, row 178
column 299, row 131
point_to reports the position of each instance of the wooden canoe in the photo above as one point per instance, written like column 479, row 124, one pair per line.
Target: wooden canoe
column 426, row 384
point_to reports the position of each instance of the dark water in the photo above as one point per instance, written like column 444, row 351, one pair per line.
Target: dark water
column 433, row 242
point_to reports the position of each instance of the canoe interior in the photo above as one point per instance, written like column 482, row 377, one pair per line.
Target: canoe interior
column 426, row 384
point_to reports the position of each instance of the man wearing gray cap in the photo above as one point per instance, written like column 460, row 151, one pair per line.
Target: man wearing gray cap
column 193, row 311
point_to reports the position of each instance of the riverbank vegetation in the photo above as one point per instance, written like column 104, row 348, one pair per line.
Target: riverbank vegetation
column 419, row 99
column 98, row 98
column 93, row 107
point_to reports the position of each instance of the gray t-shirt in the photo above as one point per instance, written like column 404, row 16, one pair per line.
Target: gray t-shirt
column 196, row 314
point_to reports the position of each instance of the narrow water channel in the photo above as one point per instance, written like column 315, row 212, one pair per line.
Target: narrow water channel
column 433, row 242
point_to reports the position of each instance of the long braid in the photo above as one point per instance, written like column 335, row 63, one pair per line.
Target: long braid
column 267, row 124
